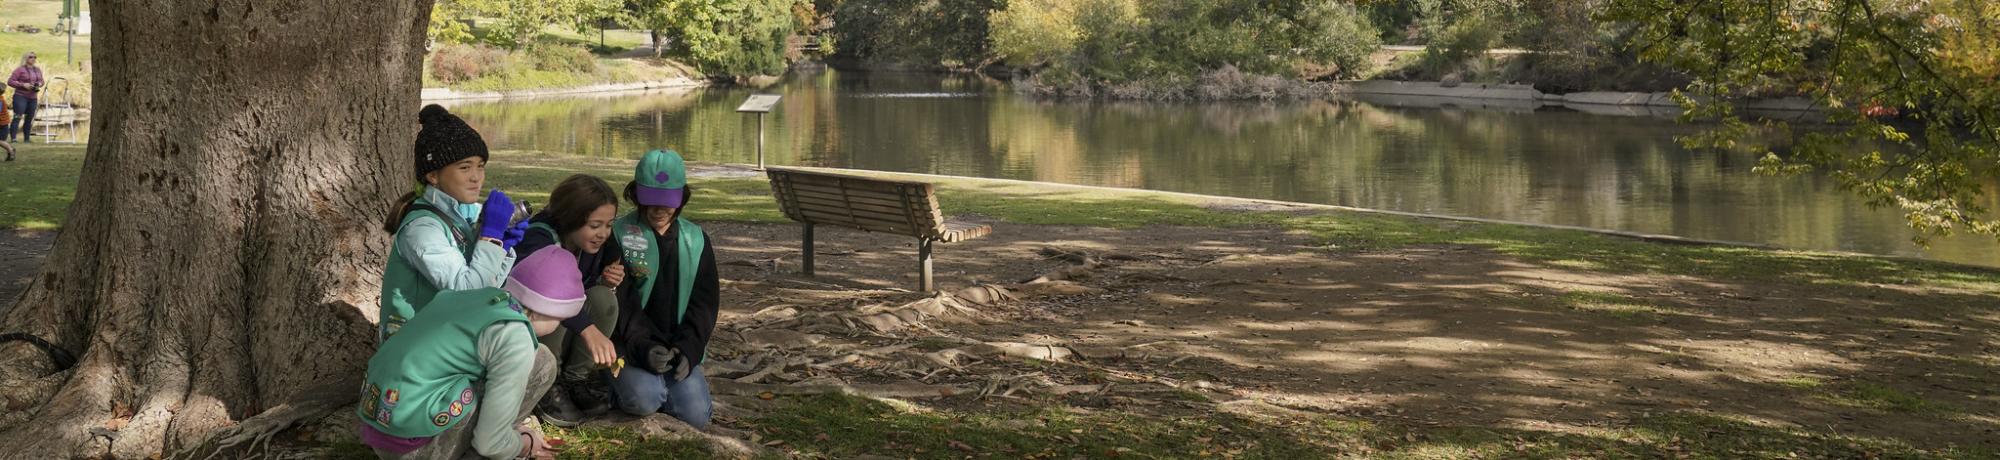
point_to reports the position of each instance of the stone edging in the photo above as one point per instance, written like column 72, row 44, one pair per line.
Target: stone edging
column 1528, row 94
column 447, row 94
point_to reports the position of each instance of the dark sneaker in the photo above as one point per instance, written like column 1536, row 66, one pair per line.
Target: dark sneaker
column 591, row 397
column 556, row 408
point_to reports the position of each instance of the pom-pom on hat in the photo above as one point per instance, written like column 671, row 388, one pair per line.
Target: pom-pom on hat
column 444, row 139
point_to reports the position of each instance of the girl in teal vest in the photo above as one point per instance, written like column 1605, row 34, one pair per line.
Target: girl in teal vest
column 462, row 376
column 667, row 305
column 439, row 244
column 578, row 219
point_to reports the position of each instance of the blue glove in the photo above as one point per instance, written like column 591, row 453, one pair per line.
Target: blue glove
column 493, row 218
column 514, row 235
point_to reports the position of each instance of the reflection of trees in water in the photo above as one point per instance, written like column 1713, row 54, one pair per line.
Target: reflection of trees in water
column 587, row 125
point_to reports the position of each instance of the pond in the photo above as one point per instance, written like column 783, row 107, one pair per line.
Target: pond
column 1546, row 165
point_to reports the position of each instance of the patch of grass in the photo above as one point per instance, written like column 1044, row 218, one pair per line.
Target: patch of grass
column 39, row 185
column 1611, row 304
column 347, row 450
column 1802, row 383
column 593, row 442
column 1882, row 398
column 841, row 427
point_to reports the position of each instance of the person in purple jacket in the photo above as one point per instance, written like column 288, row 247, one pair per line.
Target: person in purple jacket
column 27, row 84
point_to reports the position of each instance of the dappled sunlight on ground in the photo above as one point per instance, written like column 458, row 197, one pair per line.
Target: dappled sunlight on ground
column 1455, row 334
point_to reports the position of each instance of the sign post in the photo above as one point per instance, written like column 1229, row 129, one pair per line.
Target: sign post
column 760, row 104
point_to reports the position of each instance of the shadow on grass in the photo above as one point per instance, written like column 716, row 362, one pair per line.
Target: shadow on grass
column 844, row 427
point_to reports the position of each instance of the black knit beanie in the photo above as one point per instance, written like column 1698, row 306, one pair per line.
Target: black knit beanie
column 444, row 140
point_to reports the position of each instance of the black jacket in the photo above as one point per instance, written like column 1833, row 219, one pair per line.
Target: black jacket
column 592, row 265
column 641, row 329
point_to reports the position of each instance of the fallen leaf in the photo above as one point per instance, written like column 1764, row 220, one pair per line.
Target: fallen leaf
column 615, row 442
column 767, row 396
column 775, row 443
column 959, row 445
column 556, row 442
column 822, row 437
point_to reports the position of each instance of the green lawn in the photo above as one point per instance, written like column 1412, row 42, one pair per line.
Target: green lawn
column 843, row 427
column 46, row 175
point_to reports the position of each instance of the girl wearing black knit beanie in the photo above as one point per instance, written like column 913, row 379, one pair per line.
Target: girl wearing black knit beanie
column 446, row 240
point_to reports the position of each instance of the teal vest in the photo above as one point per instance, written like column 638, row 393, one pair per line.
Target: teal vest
column 421, row 381
column 642, row 257
column 404, row 287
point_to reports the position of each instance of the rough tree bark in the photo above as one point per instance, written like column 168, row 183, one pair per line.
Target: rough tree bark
column 218, row 258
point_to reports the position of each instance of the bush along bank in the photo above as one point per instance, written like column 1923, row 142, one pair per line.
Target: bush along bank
column 482, row 68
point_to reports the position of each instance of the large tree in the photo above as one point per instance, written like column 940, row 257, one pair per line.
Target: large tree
column 1913, row 87
column 218, row 261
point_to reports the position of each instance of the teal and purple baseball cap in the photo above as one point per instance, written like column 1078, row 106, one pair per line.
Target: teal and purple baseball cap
column 662, row 179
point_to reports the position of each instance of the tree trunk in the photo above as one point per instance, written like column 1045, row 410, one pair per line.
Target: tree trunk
column 218, row 258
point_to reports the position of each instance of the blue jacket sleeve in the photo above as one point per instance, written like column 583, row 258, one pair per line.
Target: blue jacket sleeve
column 427, row 245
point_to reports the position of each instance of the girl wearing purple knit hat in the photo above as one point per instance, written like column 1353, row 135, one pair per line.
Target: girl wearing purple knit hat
column 472, row 352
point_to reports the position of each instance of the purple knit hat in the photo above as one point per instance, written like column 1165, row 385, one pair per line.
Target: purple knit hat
column 548, row 282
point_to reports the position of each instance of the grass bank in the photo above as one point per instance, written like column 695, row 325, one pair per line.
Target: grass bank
column 41, row 184
column 559, row 58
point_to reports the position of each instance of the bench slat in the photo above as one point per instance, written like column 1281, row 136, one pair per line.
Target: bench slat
column 895, row 199
column 873, row 225
column 960, row 231
column 836, row 199
column 834, row 205
column 850, row 183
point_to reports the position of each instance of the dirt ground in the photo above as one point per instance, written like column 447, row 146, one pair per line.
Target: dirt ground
column 1426, row 335
column 1439, row 335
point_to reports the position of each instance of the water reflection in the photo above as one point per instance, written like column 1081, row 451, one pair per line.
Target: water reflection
column 1512, row 163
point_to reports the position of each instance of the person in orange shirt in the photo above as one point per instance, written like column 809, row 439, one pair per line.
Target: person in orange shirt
column 6, row 123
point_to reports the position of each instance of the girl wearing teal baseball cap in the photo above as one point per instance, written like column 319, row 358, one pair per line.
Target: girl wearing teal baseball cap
column 667, row 305
column 446, row 240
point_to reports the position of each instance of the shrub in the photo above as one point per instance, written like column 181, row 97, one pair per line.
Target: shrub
column 457, row 63
column 561, row 58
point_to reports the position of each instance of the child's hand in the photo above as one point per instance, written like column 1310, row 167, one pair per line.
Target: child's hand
column 661, row 359
column 602, row 351
column 613, row 275
column 495, row 214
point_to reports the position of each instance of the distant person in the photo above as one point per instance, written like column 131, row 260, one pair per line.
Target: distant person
column 4, row 128
column 27, row 84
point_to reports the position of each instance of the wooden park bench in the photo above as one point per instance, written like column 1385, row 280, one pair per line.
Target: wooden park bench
column 873, row 205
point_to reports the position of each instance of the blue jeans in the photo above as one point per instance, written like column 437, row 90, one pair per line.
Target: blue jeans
column 24, row 117
column 641, row 393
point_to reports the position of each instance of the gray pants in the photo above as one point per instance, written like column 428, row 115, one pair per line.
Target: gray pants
column 570, row 351
column 456, row 442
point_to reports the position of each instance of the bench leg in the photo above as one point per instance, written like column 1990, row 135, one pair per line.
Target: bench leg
column 807, row 254
column 924, row 263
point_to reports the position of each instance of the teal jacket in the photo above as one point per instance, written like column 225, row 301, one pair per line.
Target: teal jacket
column 430, row 256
